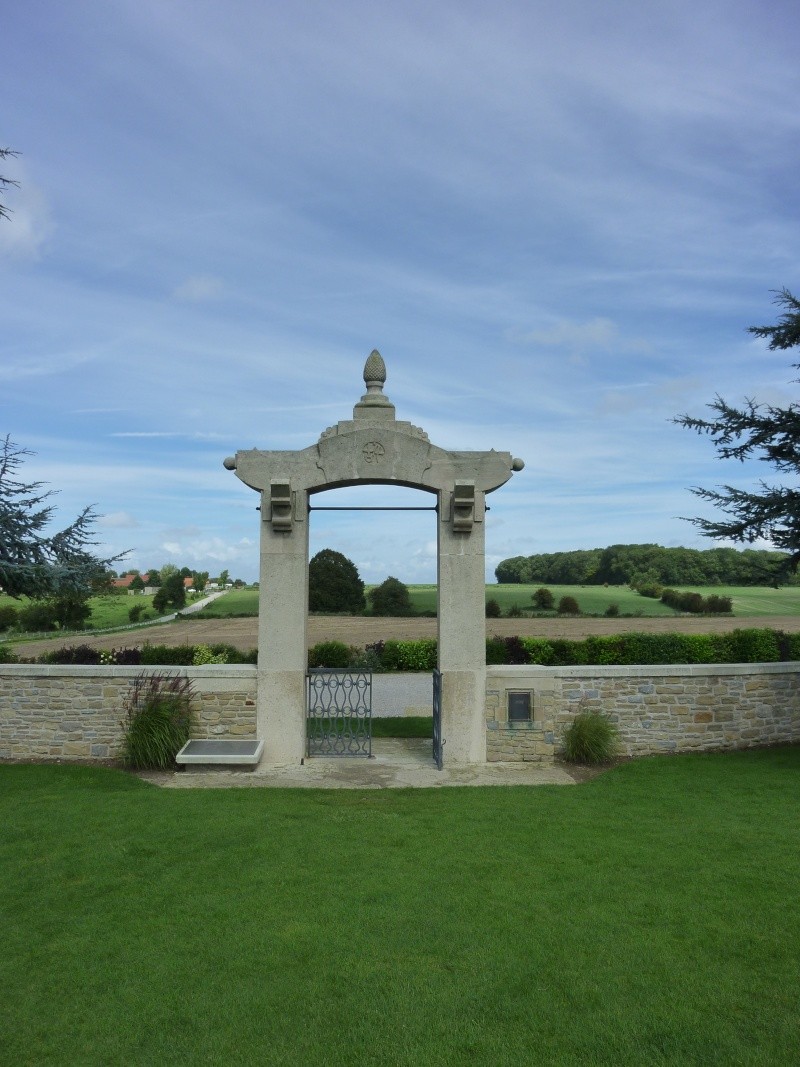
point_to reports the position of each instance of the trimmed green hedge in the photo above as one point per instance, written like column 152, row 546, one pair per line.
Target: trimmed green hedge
column 637, row 649
column 629, row 649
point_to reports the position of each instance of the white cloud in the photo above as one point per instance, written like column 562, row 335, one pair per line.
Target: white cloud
column 210, row 550
column 555, row 223
column 596, row 335
column 24, row 234
column 199, row 289
column 118, row 520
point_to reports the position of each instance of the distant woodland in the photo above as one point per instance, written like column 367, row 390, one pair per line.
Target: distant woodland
column 637, row 565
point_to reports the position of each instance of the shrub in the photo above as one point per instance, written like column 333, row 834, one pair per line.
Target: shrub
column 158, row 720
column 72, row 611
column 543, row 599
column 8, row 617
column 650, row 589
column 135, row 612
column 692, row 602
column 126, row 657
column 329, row 654
column 538, row 650
column 590, row 738
column 370, row 658
column 792, row 646
column 167, row 655
column 410, row 655
column 232, row 653
column 719, row 605
column 568, row 605
column 365, row 659
column 37, row 617
column 753, row 646
column 612, row 611
column 514, row 612
column 502, row 650
column 391, row 598
column 515, row 650
column 203, row 655
column 493, row 610
column 72, row 654
column 695, row 603
column 6, row 655
column 496, row 651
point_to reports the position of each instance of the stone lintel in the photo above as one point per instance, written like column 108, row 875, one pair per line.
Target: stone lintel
column 373, row 455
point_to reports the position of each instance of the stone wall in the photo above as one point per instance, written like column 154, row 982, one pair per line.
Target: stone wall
column 55, row 712
column 656, row 709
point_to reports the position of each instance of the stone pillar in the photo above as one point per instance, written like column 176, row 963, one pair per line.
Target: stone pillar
column 462, row 632
column 282, row 606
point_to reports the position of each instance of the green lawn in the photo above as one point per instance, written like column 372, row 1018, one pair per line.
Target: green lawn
column 646, row 917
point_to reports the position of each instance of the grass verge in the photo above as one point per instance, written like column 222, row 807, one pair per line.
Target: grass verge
column 646, row 917
column 403, row 726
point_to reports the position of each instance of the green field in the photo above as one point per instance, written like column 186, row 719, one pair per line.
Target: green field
column 112, row 611
column 108, row 612
column 592, row 599
column 235, row 603
column 644, row 917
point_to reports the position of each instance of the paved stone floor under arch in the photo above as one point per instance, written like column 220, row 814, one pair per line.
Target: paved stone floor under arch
column 397, row 763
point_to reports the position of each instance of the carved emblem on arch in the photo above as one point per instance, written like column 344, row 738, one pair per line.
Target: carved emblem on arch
column 373, row 452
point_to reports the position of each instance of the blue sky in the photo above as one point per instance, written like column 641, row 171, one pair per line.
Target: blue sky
column 554, row 220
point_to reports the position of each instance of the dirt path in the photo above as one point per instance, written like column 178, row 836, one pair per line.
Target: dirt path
column 243, row 633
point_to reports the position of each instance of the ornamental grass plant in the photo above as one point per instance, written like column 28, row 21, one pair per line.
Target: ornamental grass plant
column 158, row 720
column 590, row 738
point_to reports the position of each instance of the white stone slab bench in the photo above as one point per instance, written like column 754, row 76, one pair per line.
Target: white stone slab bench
column 215, row 752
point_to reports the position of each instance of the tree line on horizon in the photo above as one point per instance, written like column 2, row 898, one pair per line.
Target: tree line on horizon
column 648, row 564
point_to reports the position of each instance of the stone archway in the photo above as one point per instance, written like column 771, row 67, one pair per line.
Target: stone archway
column 372, row 448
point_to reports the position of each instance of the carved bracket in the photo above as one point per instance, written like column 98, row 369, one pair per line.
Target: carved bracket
column 280, row 505
column 463, row 506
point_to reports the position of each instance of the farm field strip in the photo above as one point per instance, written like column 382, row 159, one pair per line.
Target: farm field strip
column 362, row 630
column 592, row 599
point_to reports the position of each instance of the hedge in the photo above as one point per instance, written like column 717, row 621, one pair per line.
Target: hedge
column 148, row 655
column 628, row 649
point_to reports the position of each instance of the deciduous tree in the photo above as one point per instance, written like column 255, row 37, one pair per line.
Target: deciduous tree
column 334, row 584
column 391, row 598
column 171, row 594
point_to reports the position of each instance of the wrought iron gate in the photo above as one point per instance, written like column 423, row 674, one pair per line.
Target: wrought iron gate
column 438, row 743
column 339, row 712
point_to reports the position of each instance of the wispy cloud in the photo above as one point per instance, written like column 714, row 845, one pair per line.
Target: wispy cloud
column 555, row 221
column 23, row 236
column 118, row 520
column 196, row 436
column 199, row 288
